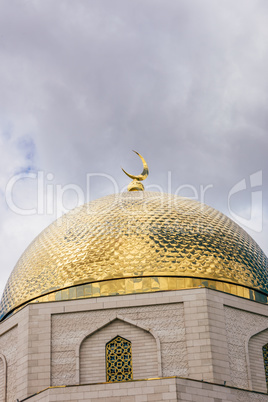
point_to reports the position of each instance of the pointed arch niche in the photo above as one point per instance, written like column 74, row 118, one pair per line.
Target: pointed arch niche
column 3, row 376
column 258, row 361
column 92, row 359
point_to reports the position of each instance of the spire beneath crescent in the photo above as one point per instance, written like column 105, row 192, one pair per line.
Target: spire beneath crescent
column 136, row 184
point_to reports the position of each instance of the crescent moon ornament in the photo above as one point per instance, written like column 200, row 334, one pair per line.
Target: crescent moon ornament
column 136, row 184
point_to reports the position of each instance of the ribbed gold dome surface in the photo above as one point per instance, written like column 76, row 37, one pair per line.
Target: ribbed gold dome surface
column 136, row 235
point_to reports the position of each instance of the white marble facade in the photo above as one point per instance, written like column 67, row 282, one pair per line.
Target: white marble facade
column 201, row 343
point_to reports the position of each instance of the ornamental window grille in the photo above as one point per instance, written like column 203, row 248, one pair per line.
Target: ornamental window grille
column 265, row 361
column 118, row 360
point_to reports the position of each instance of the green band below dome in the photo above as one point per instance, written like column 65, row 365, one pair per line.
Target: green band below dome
column 128, row 286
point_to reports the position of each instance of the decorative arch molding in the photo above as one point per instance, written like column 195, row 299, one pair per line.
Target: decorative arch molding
column 251, row 372
column 255, row 332
column 105, row 324
column 4, row 384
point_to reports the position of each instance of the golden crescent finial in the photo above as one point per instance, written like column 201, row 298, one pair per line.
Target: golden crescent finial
column 136, row 184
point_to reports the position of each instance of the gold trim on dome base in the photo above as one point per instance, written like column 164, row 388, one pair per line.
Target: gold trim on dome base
column 149, row 285
column 128, row 286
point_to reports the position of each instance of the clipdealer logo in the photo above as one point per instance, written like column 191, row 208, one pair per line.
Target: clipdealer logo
column 51, row 196
column 255, row 221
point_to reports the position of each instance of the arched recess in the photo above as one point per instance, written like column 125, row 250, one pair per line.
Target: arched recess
column 256, row 361
column 3, row 378
column 91, row 354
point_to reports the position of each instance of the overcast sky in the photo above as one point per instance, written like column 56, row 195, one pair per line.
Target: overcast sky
column 83, row 82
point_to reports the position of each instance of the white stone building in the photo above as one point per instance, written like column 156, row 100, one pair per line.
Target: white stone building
column 137, row 297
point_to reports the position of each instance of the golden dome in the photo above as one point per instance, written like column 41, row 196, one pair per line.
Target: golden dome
column 137, row 242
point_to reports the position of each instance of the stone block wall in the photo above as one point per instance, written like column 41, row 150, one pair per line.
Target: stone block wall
column 240, row 326
column 199, row 334
column 8, row 350
column 2, row 378
column 256, row 361
column 155, row 390
column 165, row 321
column 92, row 354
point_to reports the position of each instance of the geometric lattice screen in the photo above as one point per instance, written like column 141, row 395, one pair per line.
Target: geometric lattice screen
column 265, row 360
column 118, row 360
